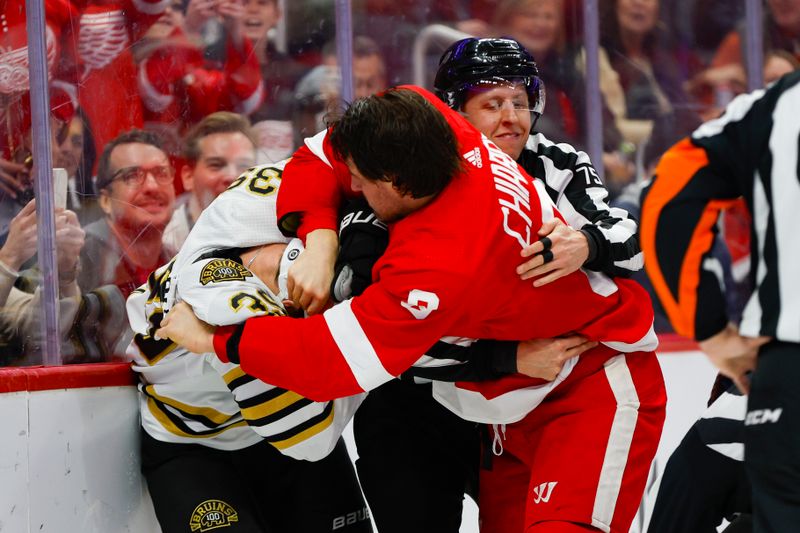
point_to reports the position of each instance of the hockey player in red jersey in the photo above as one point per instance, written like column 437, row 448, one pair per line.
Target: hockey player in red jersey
column 460, row 211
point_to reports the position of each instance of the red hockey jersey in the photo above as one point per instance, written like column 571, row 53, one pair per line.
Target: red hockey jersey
column 449, row 270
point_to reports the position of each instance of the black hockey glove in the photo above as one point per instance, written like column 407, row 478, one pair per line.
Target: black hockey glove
column 362, row 240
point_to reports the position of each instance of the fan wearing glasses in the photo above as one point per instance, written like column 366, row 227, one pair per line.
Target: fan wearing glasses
column 137, row 197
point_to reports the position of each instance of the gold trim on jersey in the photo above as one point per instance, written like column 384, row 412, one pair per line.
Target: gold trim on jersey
column 169, row 425
column 272, row 406
column 233, row 374
column 217, row 417
column 307, row 433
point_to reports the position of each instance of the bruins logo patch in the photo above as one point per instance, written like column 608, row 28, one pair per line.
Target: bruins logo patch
column 223, row 270
column 212, row 514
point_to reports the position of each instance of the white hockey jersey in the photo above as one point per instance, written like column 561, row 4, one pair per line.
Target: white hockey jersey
column 189, row 398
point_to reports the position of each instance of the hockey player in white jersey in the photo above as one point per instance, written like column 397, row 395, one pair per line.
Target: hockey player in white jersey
column 216, row 440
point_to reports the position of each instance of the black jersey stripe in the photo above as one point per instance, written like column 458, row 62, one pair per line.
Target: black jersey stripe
column 303, row 431
column 263, row 397
column 282, row 413
column 177, row 425
column 207, row 416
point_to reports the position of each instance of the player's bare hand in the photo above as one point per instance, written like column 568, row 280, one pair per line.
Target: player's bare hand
column 309, row 278
column 734, row 355
column 544, row 358
column 184, row 328
column 559, row 251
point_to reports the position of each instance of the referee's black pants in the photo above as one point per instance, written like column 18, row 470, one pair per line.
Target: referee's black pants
column 416, row 459
column 772, row 438
column 698, row 489
column 254, row 490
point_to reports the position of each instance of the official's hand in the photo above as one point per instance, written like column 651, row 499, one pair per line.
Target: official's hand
column 309, row 278
column 22, row 237
column 559, row 251
column 544, row 358
column 734, row 355
column 184, row 328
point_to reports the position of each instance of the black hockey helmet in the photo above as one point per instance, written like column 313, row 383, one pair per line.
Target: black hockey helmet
column 472, row 62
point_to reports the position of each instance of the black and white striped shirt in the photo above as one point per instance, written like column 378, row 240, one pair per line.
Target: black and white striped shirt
column 750, row 152
column 576, row 189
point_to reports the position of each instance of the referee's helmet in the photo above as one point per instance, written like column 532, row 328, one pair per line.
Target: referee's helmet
column 472, row 62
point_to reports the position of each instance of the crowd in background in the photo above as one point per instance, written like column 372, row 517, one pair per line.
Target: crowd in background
column 158, row 105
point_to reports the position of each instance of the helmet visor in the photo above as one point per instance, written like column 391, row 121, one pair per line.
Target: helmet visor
column 534, row 88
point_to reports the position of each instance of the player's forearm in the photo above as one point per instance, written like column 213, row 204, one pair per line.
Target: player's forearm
column 295, row 354
column 323, row 244
column 483, row 360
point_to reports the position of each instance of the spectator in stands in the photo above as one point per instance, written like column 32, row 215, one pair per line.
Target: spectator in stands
column 396, row 24
column 369, row 69
column 700, row 26
column 318, row 91
column 777, row 64
column 136, row 195
column 216, row 151
column 179, row 86
column 101, row 63
column 726, row 76
column 645, row 64
column 539, row 26
column 20, row 168
column 20, row 311
column 16, row 161
column 74, row 152
column 272, row 121
column 781, row 32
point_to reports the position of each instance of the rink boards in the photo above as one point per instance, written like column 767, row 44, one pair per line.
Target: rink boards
column 69, row 458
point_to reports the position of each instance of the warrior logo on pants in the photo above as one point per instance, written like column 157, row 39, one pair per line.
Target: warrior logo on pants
column 542, row 492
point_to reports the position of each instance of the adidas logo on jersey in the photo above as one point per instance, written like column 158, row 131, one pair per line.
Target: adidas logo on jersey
column 543, row 491
column 474, row 157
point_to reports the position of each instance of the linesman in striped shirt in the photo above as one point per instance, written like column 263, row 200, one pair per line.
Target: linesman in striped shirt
column 749, row 153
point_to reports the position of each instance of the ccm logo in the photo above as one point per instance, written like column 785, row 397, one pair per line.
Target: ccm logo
column 763, row 416
column 421, row 303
